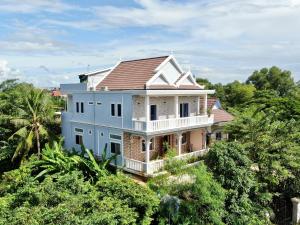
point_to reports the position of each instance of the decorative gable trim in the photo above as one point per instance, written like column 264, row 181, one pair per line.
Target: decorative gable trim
column 158, row 72
column 163, row 78
column 188, row 75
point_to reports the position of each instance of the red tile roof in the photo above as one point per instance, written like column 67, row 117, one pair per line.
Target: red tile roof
column 221, row 115
column 131, row 74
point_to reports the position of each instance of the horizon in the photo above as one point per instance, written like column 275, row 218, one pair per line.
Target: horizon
column 51, row 42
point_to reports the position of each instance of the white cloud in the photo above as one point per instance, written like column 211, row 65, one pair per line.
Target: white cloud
column 7, row 72
column 32, row 6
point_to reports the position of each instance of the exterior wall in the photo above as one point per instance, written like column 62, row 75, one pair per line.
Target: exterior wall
column 192, row 100
column 100, row 114
column 197, row 138
column 165, row 106
column 215, row 130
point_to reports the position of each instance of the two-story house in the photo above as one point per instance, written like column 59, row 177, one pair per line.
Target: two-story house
column 135, row 108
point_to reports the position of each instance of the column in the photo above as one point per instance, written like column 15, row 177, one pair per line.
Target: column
column 205, row 104
column 176, row 107
column 147, row 157
column 147, row 108
column 179, row 138
column 198, row 105
column 296, row 210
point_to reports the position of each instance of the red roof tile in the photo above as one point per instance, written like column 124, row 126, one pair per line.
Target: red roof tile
column 221, row 115
column 131, row 74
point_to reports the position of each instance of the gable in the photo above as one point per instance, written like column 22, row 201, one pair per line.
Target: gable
column 187, row 81
column 161, row 80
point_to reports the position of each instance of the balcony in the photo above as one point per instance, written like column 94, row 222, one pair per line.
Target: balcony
column 155, row 166
column 70, row 88
column 175, row 123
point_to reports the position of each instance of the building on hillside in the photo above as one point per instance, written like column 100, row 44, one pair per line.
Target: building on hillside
column 139, row 109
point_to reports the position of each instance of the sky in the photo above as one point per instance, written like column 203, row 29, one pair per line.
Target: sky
column 48, row 42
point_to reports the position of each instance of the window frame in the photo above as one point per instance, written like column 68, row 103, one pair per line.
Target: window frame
column 79, row 140
column 119, row 110
column 115, row 143
column 112, row 110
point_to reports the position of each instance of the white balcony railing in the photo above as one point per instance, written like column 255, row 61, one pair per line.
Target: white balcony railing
column 157, row 165
column 158, row 125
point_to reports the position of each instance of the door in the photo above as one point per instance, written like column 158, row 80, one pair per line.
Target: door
column 184, row 109
column 153, row 112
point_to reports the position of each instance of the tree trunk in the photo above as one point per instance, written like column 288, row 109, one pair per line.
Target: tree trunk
column 38, row 145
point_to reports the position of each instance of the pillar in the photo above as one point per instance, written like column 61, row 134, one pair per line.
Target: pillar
column 147, row 158
column 205, row 104
column 179, row 138
column 198, row 105
column 176, row 107
column 147, row 108
column 296, row 210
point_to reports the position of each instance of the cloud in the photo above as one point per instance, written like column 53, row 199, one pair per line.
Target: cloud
column 33, row 6
column 7, row 72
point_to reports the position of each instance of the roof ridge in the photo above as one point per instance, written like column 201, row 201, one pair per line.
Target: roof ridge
column 165, row 56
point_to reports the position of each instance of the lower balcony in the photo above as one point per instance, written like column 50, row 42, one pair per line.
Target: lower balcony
column 190, row 144
column 174, row 123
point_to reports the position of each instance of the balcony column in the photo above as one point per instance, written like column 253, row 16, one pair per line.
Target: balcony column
column 179, row 138
column 147, row 108
column 147, row 156
column 198, row 105
column 176, row 107
column 205, row 104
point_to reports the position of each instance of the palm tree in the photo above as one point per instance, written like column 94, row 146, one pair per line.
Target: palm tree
column 34, row 111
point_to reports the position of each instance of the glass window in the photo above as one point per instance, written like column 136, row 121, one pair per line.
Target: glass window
column 218, row 136
column 78, row 139
column 82, row 107
column 79, row 130
column 119, row 110
column 112, row 109
column 115, row 136
column 184, row 109
column 77, row 107
column 115, row 148
column 91, row 103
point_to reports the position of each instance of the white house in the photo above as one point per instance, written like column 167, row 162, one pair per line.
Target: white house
column 134, row 108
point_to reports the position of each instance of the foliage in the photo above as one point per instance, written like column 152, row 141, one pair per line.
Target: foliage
column 201, row 197
column 273, row 78
column 232, row 168
column 143, row 200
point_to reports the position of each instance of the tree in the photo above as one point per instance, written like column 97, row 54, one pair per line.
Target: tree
column 272, row 78
column 231, row 167
column 200, row 197
column 34, row 111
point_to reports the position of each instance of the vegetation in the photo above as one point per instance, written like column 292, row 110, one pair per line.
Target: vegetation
column 240, row 181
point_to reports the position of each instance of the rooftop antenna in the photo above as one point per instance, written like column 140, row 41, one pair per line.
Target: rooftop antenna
column 88, row 68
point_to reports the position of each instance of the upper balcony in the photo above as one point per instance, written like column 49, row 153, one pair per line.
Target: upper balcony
column 166, row 113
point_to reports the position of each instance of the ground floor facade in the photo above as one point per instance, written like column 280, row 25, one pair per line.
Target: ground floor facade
column 138, row 153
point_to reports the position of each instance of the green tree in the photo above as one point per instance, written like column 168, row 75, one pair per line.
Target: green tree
column 272, row 78
column 34, row 112
column 232, row 169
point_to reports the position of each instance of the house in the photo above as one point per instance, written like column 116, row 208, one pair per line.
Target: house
column 221, row 117
column 136, row 109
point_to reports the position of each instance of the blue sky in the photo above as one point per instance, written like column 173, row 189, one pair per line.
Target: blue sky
column 48, row 42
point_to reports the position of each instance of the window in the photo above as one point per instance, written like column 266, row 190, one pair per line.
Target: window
column 218, row 136
column 82, row 107
column 184, row 109
column 112, row 109
column 90, row 132
column 119, row 110
column 116, row 110
column 184, row 138
column 98, row 103
column 91, row 103
column 144, row 145
column 115, row 136
column 77, row 107
column 78, row 139
column 79, row 130
column 115, row 148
